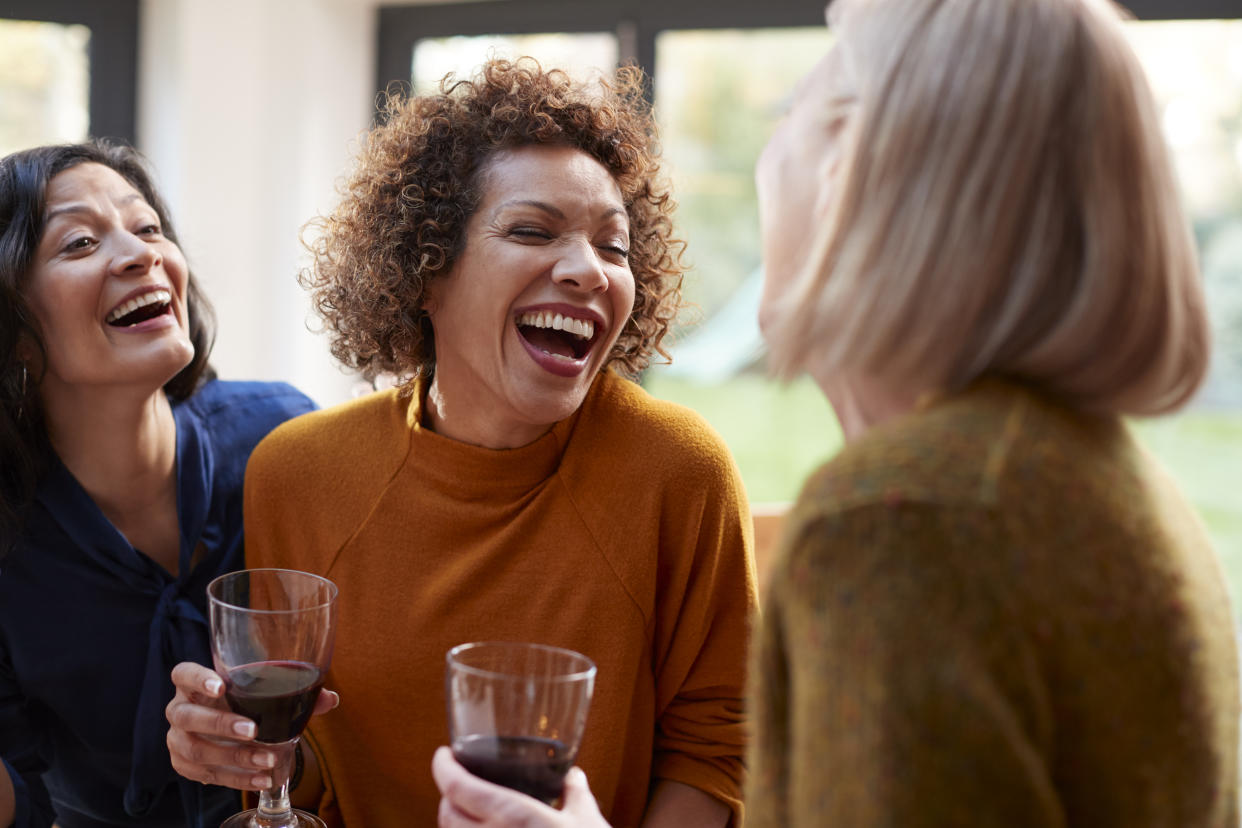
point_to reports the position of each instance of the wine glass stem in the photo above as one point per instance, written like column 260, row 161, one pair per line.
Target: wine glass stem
column 275, row 810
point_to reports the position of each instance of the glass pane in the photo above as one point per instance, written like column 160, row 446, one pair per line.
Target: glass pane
column 584, row 56
column 1195, row 69
column 715, row 115
column 44, row 84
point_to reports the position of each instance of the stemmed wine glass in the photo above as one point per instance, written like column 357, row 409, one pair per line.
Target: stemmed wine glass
column 516, row 713
column 271, row 641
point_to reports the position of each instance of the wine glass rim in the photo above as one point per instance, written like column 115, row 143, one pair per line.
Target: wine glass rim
column 586, row 672
column 331, row 599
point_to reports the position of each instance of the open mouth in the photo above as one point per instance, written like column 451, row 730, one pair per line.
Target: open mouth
column 558, row 335
column 140, row 309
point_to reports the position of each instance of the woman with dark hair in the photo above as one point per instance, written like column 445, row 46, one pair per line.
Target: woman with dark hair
column 120, row 489
column 506, row 248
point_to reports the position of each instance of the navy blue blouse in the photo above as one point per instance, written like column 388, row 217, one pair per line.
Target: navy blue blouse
column 90, row 629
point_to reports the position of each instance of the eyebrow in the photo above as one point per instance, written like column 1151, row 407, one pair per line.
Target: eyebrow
column 82, row 207
column 551, row 209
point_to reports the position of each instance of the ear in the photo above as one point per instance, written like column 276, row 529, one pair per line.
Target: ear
column 26, row 349
column 431, row 296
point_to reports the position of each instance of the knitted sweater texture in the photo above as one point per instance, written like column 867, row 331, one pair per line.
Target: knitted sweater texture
column 622, row 533
column 995, row 612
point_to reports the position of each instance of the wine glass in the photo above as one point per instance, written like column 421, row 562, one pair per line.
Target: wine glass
column 271, row 641
column 516, row 713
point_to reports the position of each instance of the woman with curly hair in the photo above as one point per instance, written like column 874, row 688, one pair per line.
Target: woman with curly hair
column 120, row 489
column 506, row 249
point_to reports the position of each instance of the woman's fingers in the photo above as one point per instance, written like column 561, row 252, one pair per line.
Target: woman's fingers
column 197, row 683
column 579, row 802
column 467, row 800
column 191, row 717
column 233, row 765
column 207, row 742
column 327, row 700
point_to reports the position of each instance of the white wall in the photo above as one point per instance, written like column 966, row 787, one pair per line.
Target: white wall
column 249, row 111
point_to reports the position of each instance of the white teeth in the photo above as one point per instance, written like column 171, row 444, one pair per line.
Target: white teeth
column 152, row 298
column 581, row 328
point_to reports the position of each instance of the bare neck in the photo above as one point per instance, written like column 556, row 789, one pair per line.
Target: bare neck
column 861, row 405
column 121, row 446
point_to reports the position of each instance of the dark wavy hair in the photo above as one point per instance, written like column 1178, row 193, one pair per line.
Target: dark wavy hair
column 402, row 217
column 24, row 177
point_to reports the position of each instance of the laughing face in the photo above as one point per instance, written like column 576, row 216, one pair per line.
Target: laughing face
column 530, row 311
column 106, row 287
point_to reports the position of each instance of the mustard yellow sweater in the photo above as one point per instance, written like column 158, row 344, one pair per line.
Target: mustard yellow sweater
column 623, row 533
column 995, row 612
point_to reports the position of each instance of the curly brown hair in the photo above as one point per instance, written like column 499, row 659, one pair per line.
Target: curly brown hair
column 402, row 217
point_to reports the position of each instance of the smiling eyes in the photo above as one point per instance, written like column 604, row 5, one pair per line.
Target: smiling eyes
column 534, row 234
column 87, row 242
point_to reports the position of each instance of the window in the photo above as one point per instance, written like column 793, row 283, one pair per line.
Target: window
column 716, row 111
column 44, row 83
column 68, row 69
column 582, row 55
column 715, row 114
column 1195, row 70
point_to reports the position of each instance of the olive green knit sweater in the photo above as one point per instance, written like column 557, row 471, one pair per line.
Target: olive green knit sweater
column 994, row 612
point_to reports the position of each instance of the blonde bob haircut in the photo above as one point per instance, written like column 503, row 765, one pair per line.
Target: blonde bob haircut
column 1004, row 206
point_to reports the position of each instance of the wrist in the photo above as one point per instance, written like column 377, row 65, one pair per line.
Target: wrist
column 299, row 767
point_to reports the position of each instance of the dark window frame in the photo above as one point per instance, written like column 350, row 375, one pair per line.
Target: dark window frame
column 637, row 23
column 113, row 101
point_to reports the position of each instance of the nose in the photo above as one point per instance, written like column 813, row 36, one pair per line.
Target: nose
column 134, row 256
column 579, row 266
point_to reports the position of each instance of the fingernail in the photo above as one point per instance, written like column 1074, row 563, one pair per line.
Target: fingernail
column 265, row 760
column 261, row 781
column 214, row 686
column 245, row 729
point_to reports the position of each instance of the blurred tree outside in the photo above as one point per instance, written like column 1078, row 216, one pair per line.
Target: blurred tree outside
column 718, row 96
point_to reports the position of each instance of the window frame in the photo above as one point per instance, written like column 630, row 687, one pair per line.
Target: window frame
column 637, row 23
column 113, row 59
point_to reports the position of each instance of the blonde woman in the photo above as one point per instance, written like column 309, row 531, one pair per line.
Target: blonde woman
column 991, row 608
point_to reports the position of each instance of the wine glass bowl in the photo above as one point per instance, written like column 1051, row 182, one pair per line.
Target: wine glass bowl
column 272, row 632
column 517, row 711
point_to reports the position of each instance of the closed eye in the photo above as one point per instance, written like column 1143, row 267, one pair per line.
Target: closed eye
column 530, row 233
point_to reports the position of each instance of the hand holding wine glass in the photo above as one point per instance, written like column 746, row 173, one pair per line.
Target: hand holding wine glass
column 272, row 632
column 516, row 714
column 468, row 800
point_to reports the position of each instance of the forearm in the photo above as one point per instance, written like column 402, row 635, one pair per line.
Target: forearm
column 8, row 799
column 677, row 805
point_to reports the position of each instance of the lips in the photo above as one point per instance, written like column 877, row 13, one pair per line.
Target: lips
column 140, row 308
column 559, row 339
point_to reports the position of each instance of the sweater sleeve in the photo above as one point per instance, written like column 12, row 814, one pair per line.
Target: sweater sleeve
column 20, row 750
column 893, row 686
column 703, row 619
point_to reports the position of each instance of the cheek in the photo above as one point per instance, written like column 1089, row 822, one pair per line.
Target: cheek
column 771, row 166
column 624, row 292
column 42, row 300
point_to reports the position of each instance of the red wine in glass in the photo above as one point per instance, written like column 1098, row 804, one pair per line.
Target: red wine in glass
column 534, row 766
column 272, row 632
column 517, row 711
column 278, row 695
